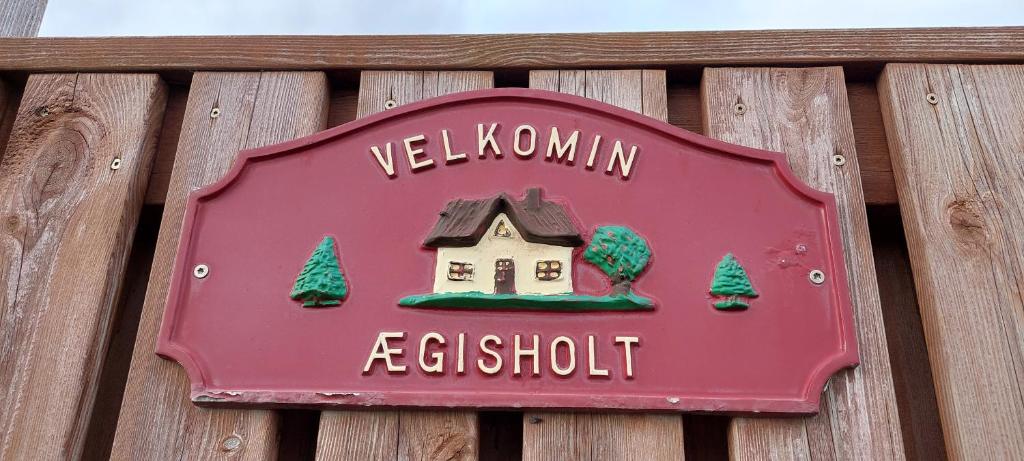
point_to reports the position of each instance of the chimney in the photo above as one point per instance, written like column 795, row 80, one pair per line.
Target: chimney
column 532, row 200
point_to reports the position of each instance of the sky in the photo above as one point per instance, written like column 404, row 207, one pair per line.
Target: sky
column 353, row 17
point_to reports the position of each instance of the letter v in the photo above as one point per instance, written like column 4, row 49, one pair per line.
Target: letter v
column 389, row 164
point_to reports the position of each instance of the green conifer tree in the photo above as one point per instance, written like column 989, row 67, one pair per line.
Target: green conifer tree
column 320, row 283
column 731, row 281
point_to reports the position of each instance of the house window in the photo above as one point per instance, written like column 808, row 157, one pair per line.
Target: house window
column 549, row 270
column 460, row 271
column 502, row 230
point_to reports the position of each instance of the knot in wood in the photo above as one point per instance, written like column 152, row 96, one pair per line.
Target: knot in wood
column 967, row 222
column 12, row 224
column 452, row 446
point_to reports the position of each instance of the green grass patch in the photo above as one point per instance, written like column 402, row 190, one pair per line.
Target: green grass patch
column 565, row 302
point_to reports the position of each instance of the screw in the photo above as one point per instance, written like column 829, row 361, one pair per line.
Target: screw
column 932, row 98
column 390, row 104
column 739, row 108
column 231, row 443
column 215, row 112
column 817, row 277
column 839, row 160
column 115, row 164
column 201, row 271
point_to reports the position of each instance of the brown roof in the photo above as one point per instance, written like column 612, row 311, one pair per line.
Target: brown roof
column 463, row 222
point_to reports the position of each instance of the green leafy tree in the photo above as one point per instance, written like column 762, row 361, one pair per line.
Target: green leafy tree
column 620, row 253
column 320, row 283
column 731, row 281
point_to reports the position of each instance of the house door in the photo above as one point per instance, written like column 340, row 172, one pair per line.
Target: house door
column 504, row 276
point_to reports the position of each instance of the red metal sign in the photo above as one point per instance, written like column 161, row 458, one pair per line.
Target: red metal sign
column 510, row 248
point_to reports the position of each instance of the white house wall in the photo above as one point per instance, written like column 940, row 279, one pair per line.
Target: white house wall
column 491, row 248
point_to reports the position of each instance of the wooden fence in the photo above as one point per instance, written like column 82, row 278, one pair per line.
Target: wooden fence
column 919, row 133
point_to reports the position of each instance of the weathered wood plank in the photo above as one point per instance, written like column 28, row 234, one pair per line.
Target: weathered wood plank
column 605, row 436
column 68, row 219
column 861, row 50
column 957, row 162
column 805, row 113
column 21, row 18
column 403, row 435
column 157, row 419
column 911, row 374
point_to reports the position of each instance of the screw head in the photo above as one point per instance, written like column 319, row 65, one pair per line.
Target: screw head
column 201, row 271
column 816, row 276
column 739, row 108
column 839, row 160
column 231, row 443
column 115, row 164
column 932, row 98
column 215, row 112
column 390, row 104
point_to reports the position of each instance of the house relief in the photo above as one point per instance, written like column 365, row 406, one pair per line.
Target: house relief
column 499, row 244
column 502, row 252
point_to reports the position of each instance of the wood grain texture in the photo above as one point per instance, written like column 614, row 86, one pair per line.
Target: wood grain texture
column 158, row 421
column 961, row 186
column 602, row 436
column 858, row 49
column 21, row 18
column 805, row 113
column 68, row 220
column 403, row 435
column 556, row 436
column 911, row 373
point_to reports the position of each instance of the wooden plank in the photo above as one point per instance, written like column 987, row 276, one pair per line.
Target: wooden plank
column 602, row 436
column 158, row 421
column 805, row 113
column 961, row 187
column 403, row 435
column 581, row 436
column 911, row 374
column 68, row 219
column 860, row 50
column 21, row 18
